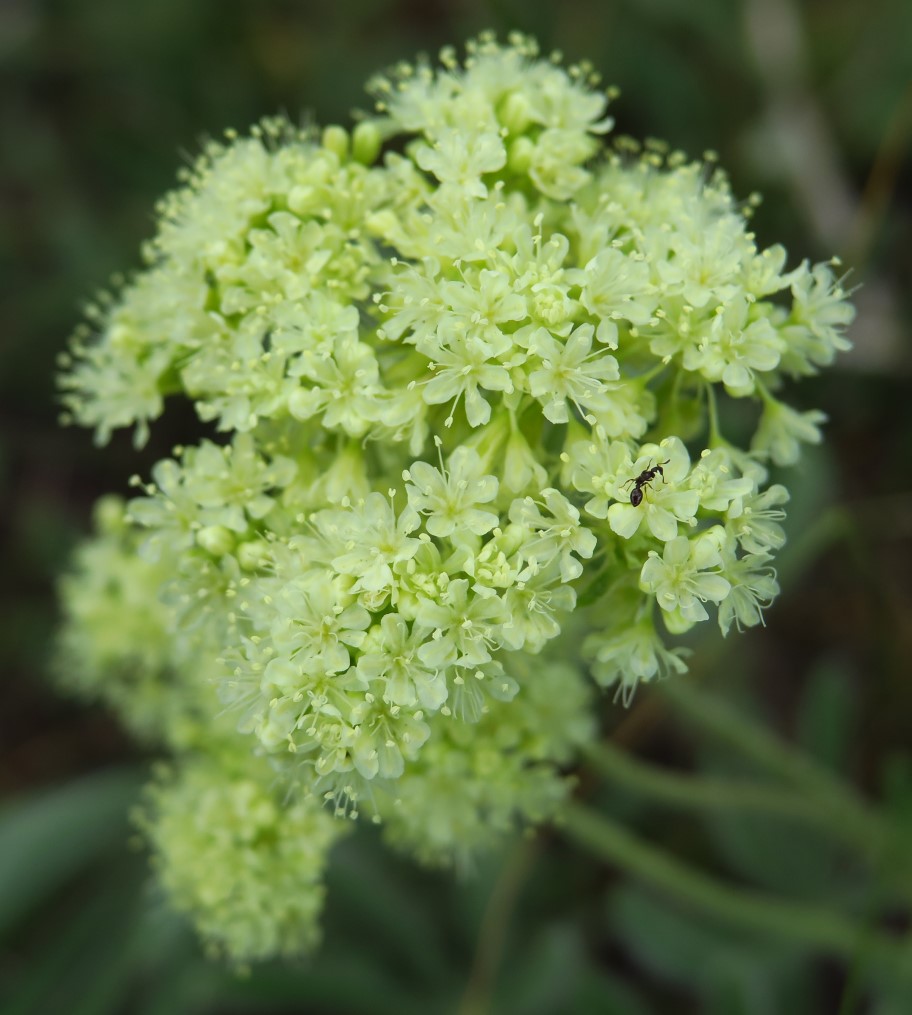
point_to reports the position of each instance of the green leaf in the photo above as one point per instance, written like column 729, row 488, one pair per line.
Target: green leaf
column 48, row 837
column 553, row 972
column 599, row 991
column 826, row 715
column 542, row 980
column 84, row 959
column 352, row 983
column 368, row 891
column 732, row 972
column 798, row 860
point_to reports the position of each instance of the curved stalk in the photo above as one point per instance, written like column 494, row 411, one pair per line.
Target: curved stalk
column 750, row 911
column 696, row 792
column 855, row 820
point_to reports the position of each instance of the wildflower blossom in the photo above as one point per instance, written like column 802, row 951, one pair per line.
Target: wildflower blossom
column 668, row 500
column 631, row 653
column 435, row 375
column 753, row 587
column 683, row 579
column 245, row 863
column 450, row 498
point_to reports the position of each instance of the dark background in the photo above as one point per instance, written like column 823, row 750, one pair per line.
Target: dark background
column 807, row 101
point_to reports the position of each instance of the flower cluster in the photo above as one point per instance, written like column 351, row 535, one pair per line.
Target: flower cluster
column 244, row 863
column 464, row 448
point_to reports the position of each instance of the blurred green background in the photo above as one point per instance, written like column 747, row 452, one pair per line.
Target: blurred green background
column 807, row 101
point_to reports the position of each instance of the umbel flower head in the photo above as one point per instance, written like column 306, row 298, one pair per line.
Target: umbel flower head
column 462, row 397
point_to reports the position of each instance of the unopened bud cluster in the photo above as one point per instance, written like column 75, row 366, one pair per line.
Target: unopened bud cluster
column 465, row 452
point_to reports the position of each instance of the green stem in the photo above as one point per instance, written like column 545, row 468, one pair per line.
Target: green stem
column 707, row 794
column 856, row 820
column 698, row 793
column 764, row 392
column 715, row 435
column 648, row 375
column 492, row 934
column 750, row 911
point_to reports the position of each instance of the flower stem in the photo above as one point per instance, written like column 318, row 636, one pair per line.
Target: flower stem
column 698, row 793
column 649, row 375
column 854, row 819
column 764, row 392
column 494, row 927
column 750, row 911
column 715, row 435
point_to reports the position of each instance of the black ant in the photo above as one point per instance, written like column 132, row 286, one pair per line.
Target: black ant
column 643, row 480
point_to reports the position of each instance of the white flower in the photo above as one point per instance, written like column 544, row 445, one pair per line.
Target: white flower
column 462, row 157
column 666, row 499
column 753, row 588
column 450, row 496
column 463, row 366
column 683, row 579
column 570, row 371
column 783, row 430
column 393, row 658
